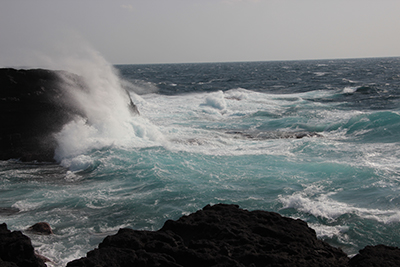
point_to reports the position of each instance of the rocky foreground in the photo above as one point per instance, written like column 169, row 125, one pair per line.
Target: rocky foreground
column 16, row 250
column 219, row 235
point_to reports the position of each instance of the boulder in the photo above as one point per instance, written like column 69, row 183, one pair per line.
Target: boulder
column 42, row 228
column 35, row 104
column 16, row 249
column 219, row 235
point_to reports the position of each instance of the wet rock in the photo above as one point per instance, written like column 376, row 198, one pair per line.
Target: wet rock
column 8, row 211
column 16, row 249
column 42, row 228
column 268, row 135
column 34, row 105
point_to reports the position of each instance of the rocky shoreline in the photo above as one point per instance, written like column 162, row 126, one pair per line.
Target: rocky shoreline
column 219, row 235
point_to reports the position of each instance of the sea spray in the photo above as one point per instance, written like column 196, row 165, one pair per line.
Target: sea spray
column 107, row 119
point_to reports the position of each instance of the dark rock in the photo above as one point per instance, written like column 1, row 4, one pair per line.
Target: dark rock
column 42, row 228
column 380, row 255
column 16, row 249
column 267, row 135
column 30, row 113
column 35, row 104
column 220, row 235
column 8, row 211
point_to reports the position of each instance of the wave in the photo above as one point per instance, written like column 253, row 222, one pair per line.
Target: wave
column 107, row 119
column 364, row 89
column 314, row 201
column 373, row 126
column 215, row 122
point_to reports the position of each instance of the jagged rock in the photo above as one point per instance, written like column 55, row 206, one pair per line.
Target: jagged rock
column 42, row 228
column 35, row 104
column 16, row 249
column 219, row 235
column 380, row 255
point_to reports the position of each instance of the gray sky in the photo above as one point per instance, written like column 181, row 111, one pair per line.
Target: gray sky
column 175, row 31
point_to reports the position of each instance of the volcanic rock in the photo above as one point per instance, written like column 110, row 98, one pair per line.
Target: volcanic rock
column 379, row 255
column 16, row 249
column 42, row 228
column 219, row 235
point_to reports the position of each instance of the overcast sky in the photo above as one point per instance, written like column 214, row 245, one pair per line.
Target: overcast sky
column 176, row 31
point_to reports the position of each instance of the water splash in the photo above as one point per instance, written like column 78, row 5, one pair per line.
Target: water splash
column 107, row 119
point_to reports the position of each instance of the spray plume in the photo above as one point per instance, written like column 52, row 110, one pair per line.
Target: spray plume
column 107, row 120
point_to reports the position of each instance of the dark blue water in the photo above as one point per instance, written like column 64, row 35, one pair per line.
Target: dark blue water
column 375, row 80
column 222, row 132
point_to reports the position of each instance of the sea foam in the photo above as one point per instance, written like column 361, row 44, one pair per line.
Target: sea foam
column 107, row 120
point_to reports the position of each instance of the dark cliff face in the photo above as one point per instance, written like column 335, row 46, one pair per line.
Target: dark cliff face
column 16, row 249
column 35, row 104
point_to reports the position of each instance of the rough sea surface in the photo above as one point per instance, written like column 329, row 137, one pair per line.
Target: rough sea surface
column 221, row 133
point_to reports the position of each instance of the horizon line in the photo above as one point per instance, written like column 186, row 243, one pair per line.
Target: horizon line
column 253, row 61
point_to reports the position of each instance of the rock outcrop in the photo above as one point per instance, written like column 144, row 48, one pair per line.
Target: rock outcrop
column 220, row 235
column 35, row 104
column 41, row 228
column 380, row 255
column 16, row 249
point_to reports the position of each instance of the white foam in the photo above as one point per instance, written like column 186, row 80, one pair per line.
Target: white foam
column 349, row 90
column 78, row 138
column 78, row 163
column 319, row 73
column 59, row 251
column 25, row 205
column 181, row 118
column 326, row 231
column 237, row 94
column 313, row 201
column 216, row 100
column 107, row 121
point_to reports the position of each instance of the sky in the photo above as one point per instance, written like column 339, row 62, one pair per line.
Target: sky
column 189, row 31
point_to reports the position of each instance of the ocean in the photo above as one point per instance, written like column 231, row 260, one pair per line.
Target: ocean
column 317, row 140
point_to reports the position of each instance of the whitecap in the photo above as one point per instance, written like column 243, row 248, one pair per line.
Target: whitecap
column 26, row 205
column 326, row 231
column 349, row 90
column 216, row 100
column 313, row 201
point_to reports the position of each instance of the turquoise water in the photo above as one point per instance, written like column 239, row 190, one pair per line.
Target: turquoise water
column 222, row 133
